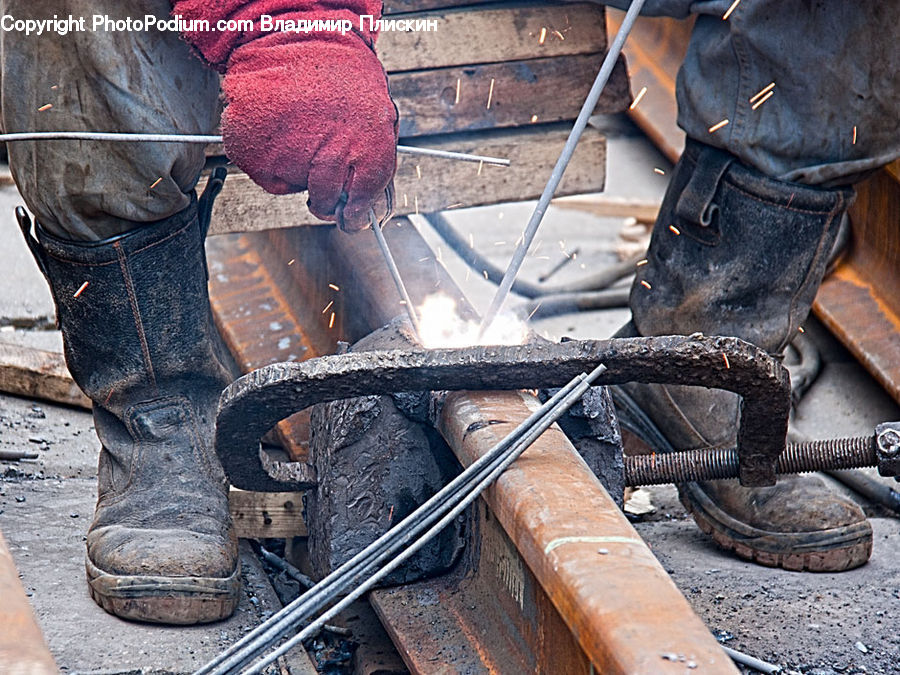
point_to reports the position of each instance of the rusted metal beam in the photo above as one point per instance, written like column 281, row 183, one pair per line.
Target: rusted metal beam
column 860, row 300
column 531, row 624
column 22, row 646
column 614, row 596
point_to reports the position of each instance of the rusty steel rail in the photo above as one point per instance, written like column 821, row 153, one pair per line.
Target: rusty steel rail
column 22, row 646
column 477, row 625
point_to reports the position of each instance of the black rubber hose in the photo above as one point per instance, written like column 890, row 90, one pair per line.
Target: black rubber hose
column 553, row 305
column 595, row 282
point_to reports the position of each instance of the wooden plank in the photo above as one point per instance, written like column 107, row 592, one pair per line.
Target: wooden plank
column 35, row 373
column 522, row 93
column 261, row 515
column 438, row 184
column 493, row 34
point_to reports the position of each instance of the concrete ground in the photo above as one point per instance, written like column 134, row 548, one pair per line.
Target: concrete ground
column 813, row 623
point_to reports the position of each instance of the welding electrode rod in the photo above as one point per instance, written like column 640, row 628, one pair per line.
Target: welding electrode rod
column 721, row 463
column 395, row 273
column 201, row 138
column 578, row 128
column 490, row 475
column 284, row 620
column 751, row 661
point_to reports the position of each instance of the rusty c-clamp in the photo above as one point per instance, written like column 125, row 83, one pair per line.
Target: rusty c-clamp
column 253, row 404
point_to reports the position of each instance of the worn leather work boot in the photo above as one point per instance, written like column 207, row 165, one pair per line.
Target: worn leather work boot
column 140, row 342
column 736, row 253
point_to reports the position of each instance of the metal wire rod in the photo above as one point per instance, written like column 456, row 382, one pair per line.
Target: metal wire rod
column 751, row 661
column 395, row 272
column 499, row 467
column 201, row 138
column 281, row 622
column 578, row 128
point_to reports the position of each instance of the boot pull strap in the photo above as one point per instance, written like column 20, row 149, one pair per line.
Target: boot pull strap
column 24, row 221
column 210, row 192
column 696, row 201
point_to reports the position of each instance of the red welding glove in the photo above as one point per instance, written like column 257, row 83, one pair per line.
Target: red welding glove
column 305, row 110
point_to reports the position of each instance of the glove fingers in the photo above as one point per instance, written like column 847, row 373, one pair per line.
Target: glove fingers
column 367, row 190
column 326, row 183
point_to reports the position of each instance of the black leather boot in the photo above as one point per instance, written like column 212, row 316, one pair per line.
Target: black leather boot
column 736, row 253
column 140, row 342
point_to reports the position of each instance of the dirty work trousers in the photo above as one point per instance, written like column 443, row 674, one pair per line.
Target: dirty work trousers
column 836, row 65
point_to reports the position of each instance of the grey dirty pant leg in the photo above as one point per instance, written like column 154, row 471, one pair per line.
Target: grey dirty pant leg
column 103, row 81
column 836, row 68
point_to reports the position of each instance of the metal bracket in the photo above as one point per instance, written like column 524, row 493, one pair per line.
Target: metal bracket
column 252, row 405
column 887, row 448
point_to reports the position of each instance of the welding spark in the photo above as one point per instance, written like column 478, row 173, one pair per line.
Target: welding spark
column 534, row 311
column 718, row 125
column 646, row 284
column 725, row 356
column 762, row 100
column 490, row 94
column 480, row 167
column 730, row 10
column 418, row 172
column 328, row 306
column 674, row 229
column 854, row 135
column 291, row 261
column 637, row 99
column 45, row 107
column 81, row 289
column 543, row 36
column 559, row 35
column 156, row 182
column 331, row 321
column 762, row 92
column 659, row 171
column 458, row 82
column 334, row 287
column 642, row 262
column 800, row 328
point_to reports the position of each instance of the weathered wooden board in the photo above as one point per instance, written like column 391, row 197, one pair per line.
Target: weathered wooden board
column 496, row 33
column 425, row 184
column 520, row 93
column 35, row 373
column 260, row 515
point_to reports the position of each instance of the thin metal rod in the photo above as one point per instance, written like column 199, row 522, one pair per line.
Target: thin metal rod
column 751, row 661
column 578, row 128
column 200, row 138
column 276, row 626
column 395, row 273
column 500, row 466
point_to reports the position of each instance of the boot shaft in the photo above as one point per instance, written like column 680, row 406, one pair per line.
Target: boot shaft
column 734, row 252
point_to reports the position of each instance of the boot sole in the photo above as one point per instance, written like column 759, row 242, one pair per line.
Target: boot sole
column 833, row 550
column 170, row 600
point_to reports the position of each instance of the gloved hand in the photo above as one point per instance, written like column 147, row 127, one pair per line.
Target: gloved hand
column 305, row 110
